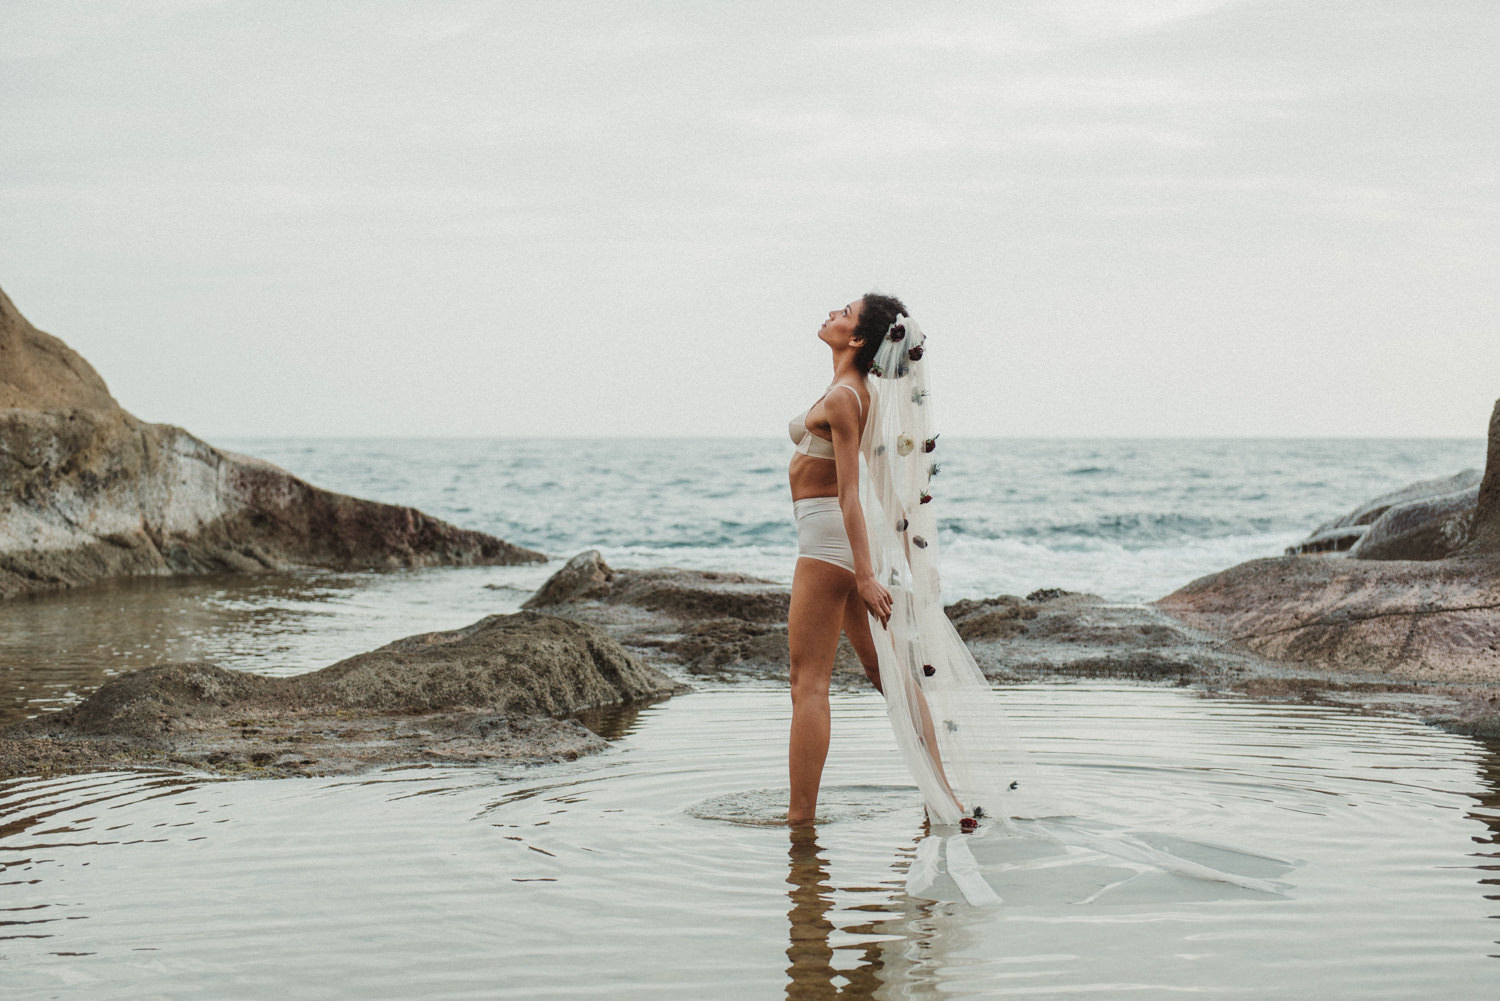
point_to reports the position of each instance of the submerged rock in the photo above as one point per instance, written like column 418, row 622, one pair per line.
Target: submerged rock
column 88, row 491
column 495, row 689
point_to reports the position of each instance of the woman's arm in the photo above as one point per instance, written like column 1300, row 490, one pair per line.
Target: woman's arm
column 843, row 424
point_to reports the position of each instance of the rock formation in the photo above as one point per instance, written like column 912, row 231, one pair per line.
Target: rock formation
column 680, row 594
column 1434, row 616
column 88, row 491
column 1384, row 528
column 495, row 689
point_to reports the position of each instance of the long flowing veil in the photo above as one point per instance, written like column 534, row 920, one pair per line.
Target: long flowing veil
column 947, row 719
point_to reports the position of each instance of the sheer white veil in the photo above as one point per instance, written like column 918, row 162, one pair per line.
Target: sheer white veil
column 947, row 718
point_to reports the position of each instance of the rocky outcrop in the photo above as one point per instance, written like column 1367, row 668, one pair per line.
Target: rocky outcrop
column 1425, row 520
column 1413, row 620
column 88, row 491
column 1433, row 616
column 1484, row 531
column 1061, row 633
column 496, row 689
column 686, row 595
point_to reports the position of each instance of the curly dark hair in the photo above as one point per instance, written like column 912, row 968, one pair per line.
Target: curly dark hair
column 875, row 318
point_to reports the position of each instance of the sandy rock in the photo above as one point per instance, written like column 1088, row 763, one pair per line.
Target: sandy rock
column 493, row 690
column 40, row 372
column 1430, row 621
column 88, row 491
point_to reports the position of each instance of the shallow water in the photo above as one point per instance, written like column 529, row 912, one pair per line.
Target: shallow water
column 57, row 648
column 649, row 871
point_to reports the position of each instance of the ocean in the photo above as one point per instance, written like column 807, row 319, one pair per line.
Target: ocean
column 1129, row 519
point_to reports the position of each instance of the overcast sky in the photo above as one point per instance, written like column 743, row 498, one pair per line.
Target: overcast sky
column 1167, row 217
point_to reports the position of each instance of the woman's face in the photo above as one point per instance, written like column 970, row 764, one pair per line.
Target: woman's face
column 839, row 326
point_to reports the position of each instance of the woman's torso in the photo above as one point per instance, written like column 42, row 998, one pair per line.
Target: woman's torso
column 813, row 471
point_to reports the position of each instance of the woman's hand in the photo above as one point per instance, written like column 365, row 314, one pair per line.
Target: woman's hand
column 876, row 598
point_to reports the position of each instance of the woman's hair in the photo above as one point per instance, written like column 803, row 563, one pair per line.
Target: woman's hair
column 875, row 318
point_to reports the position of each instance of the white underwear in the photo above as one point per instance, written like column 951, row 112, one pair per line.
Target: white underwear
column 820, row 532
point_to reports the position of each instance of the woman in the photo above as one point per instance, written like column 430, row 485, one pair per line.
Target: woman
column 834, row 588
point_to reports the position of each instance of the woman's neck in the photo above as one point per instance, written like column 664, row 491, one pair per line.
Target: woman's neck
column 844, row 367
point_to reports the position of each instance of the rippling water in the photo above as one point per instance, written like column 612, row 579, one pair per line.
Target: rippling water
column 615, row 876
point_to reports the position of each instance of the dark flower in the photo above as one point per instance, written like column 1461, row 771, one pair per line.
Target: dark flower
column 898, row 331
column 915, row 354
column 925, row 497
column 929, row 670
column 930, row 443
column 968, row 825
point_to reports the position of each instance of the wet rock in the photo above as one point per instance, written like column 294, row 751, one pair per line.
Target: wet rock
column 88, row 491
column 586, row 577
column 1419, row 502
column 495, row 689
column 1428, row 529
column 526, row 664
column 1001, row 617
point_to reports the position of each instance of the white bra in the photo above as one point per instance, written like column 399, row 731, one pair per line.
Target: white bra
column 810, row 444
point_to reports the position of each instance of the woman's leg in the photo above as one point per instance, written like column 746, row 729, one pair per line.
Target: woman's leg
column 813, row 623
column 857, row 628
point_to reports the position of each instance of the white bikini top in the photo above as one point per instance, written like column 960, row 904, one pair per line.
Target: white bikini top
column 810, row 444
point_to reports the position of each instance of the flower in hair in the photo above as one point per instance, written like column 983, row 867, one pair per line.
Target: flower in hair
column 876, row 371
column 915, row 354
column 904, row 445
column 898, row 331
column 930, row 443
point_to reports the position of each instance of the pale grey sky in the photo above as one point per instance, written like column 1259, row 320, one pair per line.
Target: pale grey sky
column 1166, row 217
